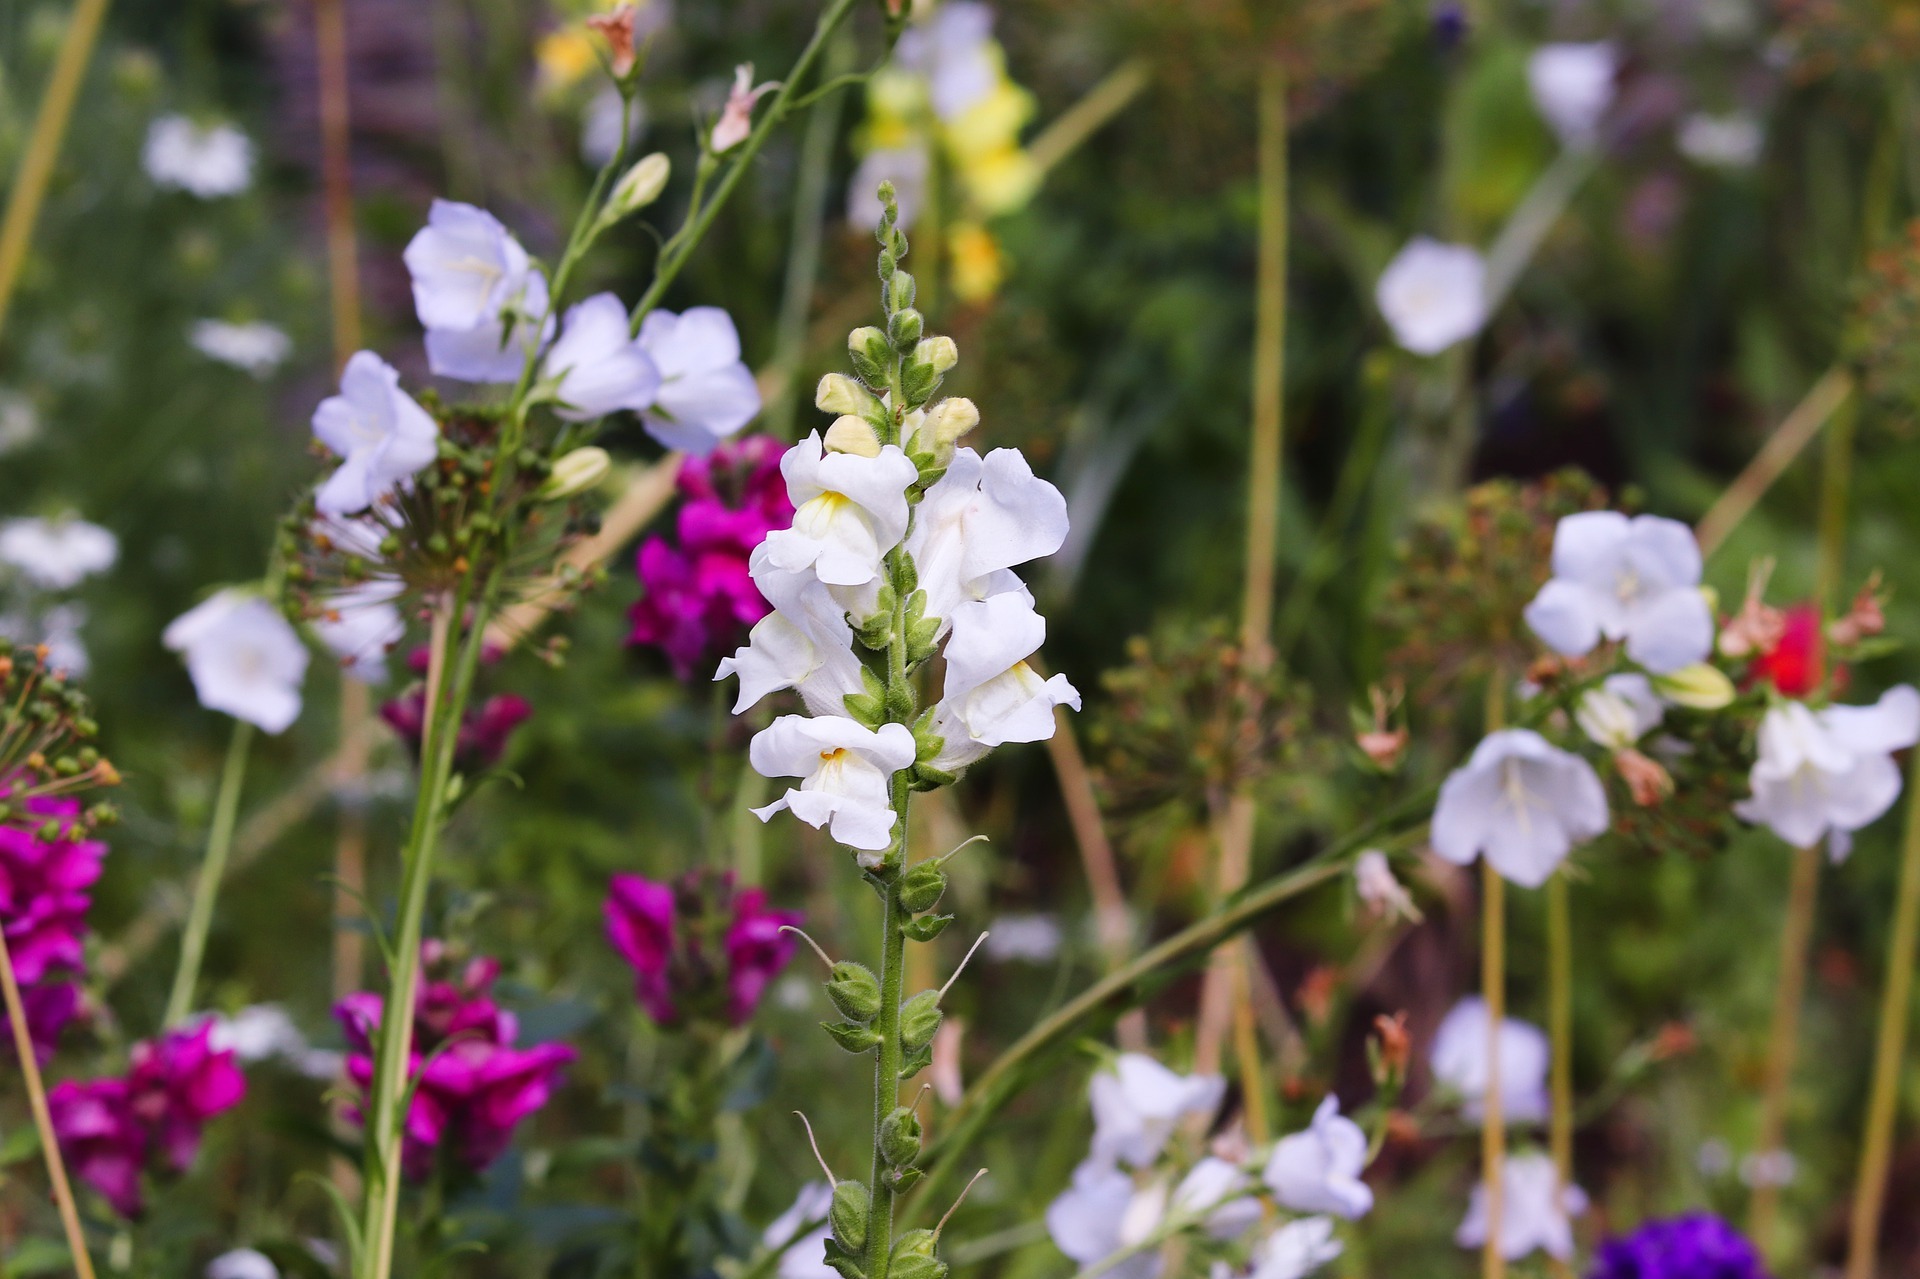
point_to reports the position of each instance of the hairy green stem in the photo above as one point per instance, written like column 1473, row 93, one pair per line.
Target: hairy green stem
column 886, row 1066
column 213, row 869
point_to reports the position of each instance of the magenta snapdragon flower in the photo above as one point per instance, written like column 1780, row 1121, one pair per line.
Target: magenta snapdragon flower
column 484, row 729
column 151, row 1119
column 472, row 1085
column 699, row 946
column 698, row 597
column 44, row 896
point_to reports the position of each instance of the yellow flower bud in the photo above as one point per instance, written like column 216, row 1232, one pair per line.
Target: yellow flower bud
column 940, row 352
column 947, row 421
column 641, row 185
column 840, row 394
column 851, row 434
column 1700, row 687
column 576, row 472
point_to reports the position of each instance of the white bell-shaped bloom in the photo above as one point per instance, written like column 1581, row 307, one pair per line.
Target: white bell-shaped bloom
column 380, row 433
column 1636, row 580
column 1460, row 1060
column 1433, row 295
column 1219, row 1194
column 1828, row 773
column 1138, row 1104
column 1294, row 1251
column 1520, row 802
column 984, row 516
column 1573, row 87
column 56, row 555
column 254, row 348
column 802, row 1255
column 1536, row 1214
column 360, row 627
column 467, row 268
column 595, row 366
column 1731, row 141
column 242, row 1263
column 245, row 659
column 848, row 512
column 1318, row 1169
column 991, row 696
column 844, row 767
column 495, row 349
column 1101, row 1213
column 1618, row 713
column 706, row 393
column 208, row 161
column 804, row 644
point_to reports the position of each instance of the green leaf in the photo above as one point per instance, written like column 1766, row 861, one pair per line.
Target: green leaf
column 855, row 1039
column 925, row 928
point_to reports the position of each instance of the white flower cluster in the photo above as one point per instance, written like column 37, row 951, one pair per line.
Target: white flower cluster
column 204, row 160
column 46, row 559
column 1109, row 1210
column 902, row 544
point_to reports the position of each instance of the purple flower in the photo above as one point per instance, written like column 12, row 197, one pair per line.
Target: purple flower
column 111, row 1130
column 1697, row 1246
column 484, row 730
column 700, row 948
column 698, row 597
column 44, row 898
column 472, row 1085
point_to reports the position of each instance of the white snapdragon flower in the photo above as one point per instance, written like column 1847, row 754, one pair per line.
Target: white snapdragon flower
column 56, row 555
column 1731, row 141
column 1535, row 1212
column 596, row 368
column 207, row 161
column 1460, row 1063
column 242, row 1263
column 1220, row 1195
column 1433, row 295
column 984, row 516
column 991, row 696
column 1318, row 1169
column 360, row 627
column 254, row 348
column 1138, row 1104
column 706, row 393
column 1573, row 87
column 849, row 511
column 954, row 50
column 244, row 658
column 803, row 644
column 802, row 1255
column 1828, row 773
column 1620, row 711
column 466, row 266
column 1521, row 802
column 1636, row 580
column 381, row 434
column 845, row 768
column 1102, row 1212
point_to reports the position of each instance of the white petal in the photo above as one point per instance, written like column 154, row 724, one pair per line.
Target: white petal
column 1670, row 630
column 1564, row 617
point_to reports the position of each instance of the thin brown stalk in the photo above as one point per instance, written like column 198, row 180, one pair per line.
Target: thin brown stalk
column 1493, row 1123
column 1788, row 440
column 1089, row 115
column 1783, row 1039
column 1560, row 1035
column 42, row 1117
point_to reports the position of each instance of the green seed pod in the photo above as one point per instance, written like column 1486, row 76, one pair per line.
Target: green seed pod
column 913, row 1257
column 855, row 991
column 848, row 1216
column 921, row 886
column 920, row 1020
column 900, row 1137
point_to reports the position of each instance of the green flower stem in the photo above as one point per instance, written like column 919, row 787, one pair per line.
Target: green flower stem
column 886, row 1066
column 1560, row 1030
column 700, row 218
column 213, row 869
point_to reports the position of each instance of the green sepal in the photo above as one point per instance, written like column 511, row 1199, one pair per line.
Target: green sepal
column 920, row 1019
column 925, row 928
column 901, row 287
column 855, row 991
column 846, row 1261
column 871, row 354
column 924, row 777
column 900, row 1135
column 854, row 1038
column 906, row 328
column 921, row 886
column 848, row 1216
column 865, row 709
column 918, row 382
column 905, row 1177
column 923, row 637
column 912, row 1256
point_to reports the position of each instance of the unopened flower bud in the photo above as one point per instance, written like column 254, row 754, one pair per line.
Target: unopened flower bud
column 848, row 1216
column 905, row 328
column 577, row 472
column 871, row 354
column 913, row 1257
column 1383, row 746
column 919, row 1020
column 922, row 885
column 850, row 434
column 947, row 422
column 940, row 352
column 855, row 991
column 840, row 394
column 1392, row 1046
column 900, row 1137
column 900, row 291
column 1649, row 782
column 617, row 26
column 639, row 186
column 1699, row 687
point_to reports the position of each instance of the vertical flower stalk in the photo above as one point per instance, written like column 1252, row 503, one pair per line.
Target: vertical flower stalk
column 1560, row 1039
column 213, row 869
column 1493, row 1124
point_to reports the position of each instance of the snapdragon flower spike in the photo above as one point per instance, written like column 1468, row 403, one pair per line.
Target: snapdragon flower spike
column 46, row 872
column 1520, row 802
column 699, row 946
column 381, row 434
column 849, row 511
column 1827, row 773
column 844, row 767
column 1636, row 580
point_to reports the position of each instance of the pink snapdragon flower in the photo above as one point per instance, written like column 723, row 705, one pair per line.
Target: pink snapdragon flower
column 485, row 729
column 151, row 1119
column 698, row 597
column 699, row 946
column 44, row 898
column 472, row 1085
